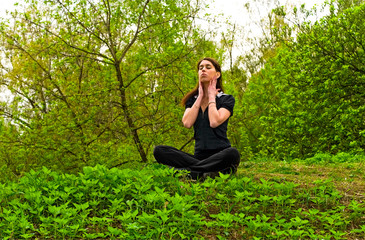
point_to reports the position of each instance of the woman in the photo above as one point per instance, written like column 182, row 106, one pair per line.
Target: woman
column 208, row 109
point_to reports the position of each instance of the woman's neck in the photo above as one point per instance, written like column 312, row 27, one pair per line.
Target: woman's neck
column 206, row 96
column 205, row 88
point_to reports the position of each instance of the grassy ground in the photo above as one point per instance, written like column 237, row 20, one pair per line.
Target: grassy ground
column 348, row 178
column 317, row 198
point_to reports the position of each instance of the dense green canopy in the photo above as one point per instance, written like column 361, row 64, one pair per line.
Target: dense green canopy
column 96, row 81
column 310, row 97
column 99, row 82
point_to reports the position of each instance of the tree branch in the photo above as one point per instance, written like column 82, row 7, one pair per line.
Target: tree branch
column 135, row 33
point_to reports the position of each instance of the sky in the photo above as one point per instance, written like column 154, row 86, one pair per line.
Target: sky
column 238, row 14
column 6, row 5
column 228, row 7
column 235, row 7
column 232, row 9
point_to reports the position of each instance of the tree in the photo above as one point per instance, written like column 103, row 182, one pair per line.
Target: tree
column 93, row 80
column 307, row 99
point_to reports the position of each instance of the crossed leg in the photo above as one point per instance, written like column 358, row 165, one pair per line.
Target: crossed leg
column 224, row 161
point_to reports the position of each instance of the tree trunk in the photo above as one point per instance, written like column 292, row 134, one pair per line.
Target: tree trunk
column 127, row 115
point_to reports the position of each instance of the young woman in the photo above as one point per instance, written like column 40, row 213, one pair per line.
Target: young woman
column 208, row 109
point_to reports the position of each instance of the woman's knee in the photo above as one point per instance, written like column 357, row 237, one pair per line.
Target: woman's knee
column 234, row 155
column 157, row 152
column 162, row 153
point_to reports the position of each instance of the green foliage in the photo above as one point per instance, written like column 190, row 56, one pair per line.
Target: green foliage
column 94, row 82
column 152, row 203
column 308, row 98
column 326, row 158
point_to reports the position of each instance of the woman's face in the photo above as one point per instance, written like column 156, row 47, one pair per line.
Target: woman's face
column 207, row 71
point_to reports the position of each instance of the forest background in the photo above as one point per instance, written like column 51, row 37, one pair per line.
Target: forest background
column 100, row 82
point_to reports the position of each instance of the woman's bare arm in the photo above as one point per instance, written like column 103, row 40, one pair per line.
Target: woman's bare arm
column 191, row 114
column 217, row 117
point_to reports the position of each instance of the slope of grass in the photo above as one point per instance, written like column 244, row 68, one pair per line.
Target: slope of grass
column 312, row 199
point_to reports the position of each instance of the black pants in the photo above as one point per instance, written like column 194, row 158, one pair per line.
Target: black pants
column 225, row 160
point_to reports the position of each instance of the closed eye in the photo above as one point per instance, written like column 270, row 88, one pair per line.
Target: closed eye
column 208, row 66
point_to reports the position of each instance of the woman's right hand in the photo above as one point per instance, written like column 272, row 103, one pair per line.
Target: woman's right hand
column 201, row 91
column 191, row 114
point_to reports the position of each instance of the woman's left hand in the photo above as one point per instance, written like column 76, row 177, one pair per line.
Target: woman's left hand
column 212, row 89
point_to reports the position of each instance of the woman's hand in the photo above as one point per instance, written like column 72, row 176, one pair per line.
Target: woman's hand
column 212, row 89
column 191, row 114
column 201, row 90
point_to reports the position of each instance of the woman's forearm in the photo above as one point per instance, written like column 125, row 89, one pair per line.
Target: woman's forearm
column 217, row 117
column 191, row 114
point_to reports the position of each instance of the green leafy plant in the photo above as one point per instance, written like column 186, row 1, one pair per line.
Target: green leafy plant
column 152, row 203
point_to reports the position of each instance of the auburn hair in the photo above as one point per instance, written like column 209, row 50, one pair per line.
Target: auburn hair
column 195, row 90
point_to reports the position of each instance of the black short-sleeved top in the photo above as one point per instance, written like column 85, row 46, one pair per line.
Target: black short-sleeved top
column 207, row 138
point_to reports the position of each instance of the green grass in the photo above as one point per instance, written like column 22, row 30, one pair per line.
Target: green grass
column 264, row 200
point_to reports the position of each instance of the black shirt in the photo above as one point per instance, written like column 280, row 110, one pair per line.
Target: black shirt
column 207, row 138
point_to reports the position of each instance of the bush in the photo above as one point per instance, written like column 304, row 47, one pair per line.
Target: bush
column 158, row 203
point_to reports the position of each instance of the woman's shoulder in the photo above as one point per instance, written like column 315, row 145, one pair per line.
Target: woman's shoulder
column 191, row 101
column 226, row 101
column 224, row 96
column 193, row 98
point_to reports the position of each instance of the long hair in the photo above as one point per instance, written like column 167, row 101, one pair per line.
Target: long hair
column 195, row 90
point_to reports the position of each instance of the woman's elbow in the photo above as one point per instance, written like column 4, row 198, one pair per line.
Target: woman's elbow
column 187, row 125
column 214, row 124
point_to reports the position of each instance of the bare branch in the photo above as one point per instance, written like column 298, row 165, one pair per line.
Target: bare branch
column 135, row 34
column 189, row 141
column 163, row 65
column 73, row 46
column 82, row 24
